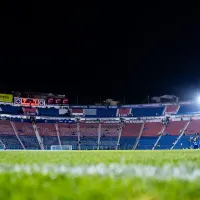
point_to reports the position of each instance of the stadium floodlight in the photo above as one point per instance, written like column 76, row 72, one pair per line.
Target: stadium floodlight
column 198, row 99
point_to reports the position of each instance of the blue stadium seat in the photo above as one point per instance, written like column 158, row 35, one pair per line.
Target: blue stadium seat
column 108, row 142
column 184, row 142
column 70, row 140
column 106, row 112
column 127, row 143
column 147, row 111
column 189, row 109
column 30, row 142
column 146, row 143
column 166, row 142
column 48, row 112
column 8, row 109
column 10, row 141
column 89, row 143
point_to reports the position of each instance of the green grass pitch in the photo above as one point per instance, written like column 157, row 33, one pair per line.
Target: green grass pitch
column 99, row 175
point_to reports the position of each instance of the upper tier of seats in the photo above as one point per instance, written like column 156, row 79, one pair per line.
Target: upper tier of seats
column 146, row 143
column 104, row 111
column 48, row 112
column 8, row 109
column 171, row 109
column 189, row 109
column 147, row 111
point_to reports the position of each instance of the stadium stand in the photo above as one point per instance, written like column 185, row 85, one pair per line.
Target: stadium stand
column 109, row 135
column 8, row 109
column 68, row 134
column 52, row 129
column 189, row 109
column 174, row 127
column 166, row 142
column 77, row 111
column 147, row 111
column 170, row 134
column 146, row 143
column 172, row 109
column 124, row 112
column 150, row 135
column 27, row 135
column 106, row 112
column 48, row 134
column 193, row 128
column 48, row 112
column 8, row 136
column 130, row 132
column 89, row 136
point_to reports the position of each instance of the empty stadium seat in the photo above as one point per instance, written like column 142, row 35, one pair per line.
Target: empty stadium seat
column 48, row 141
column 106, row 112
column 46, row 129
column 131, row 129
column 30, row 142
column 175, row 127
column 48, row 112
column 152, row 128
column 193, row 127
column 48, row 134
column 124, row 111
column 146, row 143
column 127, row 142
column 6, row 128
column 109, row 135
column 183, row 143
column 189, row 109
column 147, row 111
column 8, row 109
column 67, row 129
column 89, row 143
column 68, row 134
column 27, row 135
column 166, row 142
column 171, row 109
column 70, row 140
column 24, row 128
column 89, row 136
column 130, row 132
column 10, row 141
column 108, row 142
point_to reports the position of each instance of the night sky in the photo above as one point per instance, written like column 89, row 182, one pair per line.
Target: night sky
column 93, row 49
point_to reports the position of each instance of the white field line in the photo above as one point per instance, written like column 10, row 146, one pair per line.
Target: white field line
column 188, row 172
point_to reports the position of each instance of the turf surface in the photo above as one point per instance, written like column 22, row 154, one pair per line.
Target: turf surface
column 46, row 186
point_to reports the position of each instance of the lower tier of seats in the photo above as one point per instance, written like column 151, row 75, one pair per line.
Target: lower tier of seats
column 166, row 142
column 108, row 142
column 89, row 143
column 70, row 140
column 10, row 142
column 146, row 143
column 127, row 143
column 30, row 142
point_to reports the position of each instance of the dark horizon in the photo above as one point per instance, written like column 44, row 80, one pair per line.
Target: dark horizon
column 103, row 50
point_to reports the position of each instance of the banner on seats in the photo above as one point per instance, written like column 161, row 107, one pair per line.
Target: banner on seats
column 7, row 98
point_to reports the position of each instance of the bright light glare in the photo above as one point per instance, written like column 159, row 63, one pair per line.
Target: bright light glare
column 198, row 99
